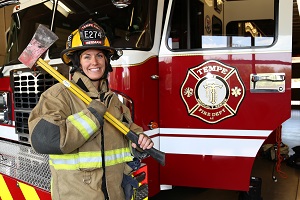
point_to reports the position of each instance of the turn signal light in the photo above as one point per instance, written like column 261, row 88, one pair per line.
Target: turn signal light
column 153, row 125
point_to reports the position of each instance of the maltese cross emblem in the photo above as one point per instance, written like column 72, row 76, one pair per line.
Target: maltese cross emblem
column 212, row 91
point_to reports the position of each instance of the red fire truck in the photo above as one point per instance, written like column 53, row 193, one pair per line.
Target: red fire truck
column 208, row 80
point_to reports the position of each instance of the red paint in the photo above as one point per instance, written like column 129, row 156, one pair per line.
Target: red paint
column 5, row 87
column 16, row 192
column 153, row 176
column 142, row 169
column 218, row 172
column 256, row 112
column 161, row 101
column 136, row 82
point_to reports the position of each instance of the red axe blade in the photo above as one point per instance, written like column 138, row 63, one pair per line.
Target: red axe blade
column 42, row 39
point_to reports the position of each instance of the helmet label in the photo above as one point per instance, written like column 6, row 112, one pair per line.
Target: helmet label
column 89, row 24
column 212, row 91
column 91, row 33
column 92, row 37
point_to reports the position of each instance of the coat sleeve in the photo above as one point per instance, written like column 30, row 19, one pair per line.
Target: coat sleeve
column 54, row 129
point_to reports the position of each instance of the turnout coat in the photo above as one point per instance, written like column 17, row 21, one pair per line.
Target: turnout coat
column 75, row 134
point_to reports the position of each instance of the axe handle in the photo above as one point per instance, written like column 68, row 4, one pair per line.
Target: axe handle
column 60, row 78
column 156, row 154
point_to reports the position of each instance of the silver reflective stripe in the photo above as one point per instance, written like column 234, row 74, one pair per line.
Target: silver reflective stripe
column 87, row 127
column 89, row 159
column 109, row 158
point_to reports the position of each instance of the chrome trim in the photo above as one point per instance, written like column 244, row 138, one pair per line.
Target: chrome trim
column 5, row 108
column 267, row 83
column 127, row 101
column 154, row 77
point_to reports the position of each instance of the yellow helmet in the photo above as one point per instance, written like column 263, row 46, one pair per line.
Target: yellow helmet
column 88, row 36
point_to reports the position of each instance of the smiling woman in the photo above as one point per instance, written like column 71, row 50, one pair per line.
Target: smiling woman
column 92, row 63
column 94, row 157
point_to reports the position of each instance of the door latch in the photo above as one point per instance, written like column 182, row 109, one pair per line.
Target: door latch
column 267, row 82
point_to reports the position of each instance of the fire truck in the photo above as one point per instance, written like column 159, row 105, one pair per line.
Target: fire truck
column 208, row 80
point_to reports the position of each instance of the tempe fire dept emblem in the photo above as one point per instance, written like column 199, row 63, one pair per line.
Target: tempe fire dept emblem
column 212, row 91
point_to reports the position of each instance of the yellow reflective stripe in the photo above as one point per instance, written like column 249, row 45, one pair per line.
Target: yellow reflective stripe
column 89, row 159
column 117, row 156
column 68, row 158
column 4, row 192
column 28, row 192
column 51, row 186
column 84, row 124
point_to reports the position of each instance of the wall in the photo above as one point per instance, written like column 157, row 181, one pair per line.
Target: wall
column 5, row 14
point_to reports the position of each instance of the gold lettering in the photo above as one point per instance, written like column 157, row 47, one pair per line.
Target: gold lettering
column 205, row 113
column 219, row 113
column 212, row 68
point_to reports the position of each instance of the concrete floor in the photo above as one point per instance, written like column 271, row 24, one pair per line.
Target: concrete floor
column 285, row 188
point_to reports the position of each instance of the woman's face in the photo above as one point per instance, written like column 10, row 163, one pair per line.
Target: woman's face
column 93, row 63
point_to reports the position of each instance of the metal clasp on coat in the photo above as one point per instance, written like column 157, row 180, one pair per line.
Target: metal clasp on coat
column 87, row 177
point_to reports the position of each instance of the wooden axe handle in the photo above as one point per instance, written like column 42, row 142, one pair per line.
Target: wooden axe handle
column 156, row 154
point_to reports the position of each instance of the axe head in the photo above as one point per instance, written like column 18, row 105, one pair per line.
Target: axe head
column 42, row 39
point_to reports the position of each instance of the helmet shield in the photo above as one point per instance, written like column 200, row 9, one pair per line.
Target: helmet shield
column 91, row 34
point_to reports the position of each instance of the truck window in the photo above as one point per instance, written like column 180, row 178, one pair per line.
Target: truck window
column 127, row 28
column 23, row 26
column 208, row 24
column 131, row 27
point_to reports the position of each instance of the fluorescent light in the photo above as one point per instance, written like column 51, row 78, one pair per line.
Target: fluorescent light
column 121, row 3
column 298, row 2
column 62, row 8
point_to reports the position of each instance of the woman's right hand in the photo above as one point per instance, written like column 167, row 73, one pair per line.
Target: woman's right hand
column 98, row 106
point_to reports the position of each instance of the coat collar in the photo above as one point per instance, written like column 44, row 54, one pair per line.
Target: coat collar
column 86, row 84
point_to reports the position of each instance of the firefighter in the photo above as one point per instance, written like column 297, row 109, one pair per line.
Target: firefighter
column 88, row 156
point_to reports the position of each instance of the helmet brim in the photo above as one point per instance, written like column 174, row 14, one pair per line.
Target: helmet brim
column 65, row 58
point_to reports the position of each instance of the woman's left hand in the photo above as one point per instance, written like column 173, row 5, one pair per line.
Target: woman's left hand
column 144, row 142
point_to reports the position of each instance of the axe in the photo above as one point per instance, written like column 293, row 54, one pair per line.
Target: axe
column 42, row 39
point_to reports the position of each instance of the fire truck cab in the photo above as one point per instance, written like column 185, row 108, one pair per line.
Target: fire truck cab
column 208, row 80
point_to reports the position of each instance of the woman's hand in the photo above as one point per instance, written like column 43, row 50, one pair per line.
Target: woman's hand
column 144, row 142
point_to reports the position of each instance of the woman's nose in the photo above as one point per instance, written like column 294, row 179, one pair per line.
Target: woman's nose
column 94, row 60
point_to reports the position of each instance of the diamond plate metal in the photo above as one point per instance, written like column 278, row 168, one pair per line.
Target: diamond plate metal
column 141, row 192
column 23, row 163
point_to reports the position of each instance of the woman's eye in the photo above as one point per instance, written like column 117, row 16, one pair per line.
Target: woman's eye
column 99, row 56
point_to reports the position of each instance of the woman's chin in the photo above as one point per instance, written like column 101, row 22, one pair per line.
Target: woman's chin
column 94, row 77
